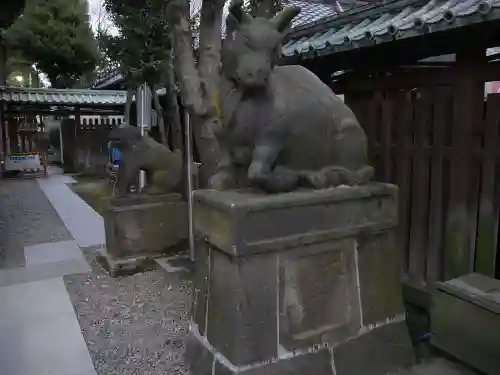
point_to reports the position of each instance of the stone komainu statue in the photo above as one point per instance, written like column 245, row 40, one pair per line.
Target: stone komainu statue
column 163, row 167
column 282, row 126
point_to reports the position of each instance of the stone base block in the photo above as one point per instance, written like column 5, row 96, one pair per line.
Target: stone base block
column 384, row 350
column 465, row 321
column 126, row 267
column 138, row 229
column 304, row 282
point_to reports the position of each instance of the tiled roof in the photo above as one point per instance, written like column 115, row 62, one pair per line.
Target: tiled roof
column 379, row 23
column 62, row 96
column 310, row 12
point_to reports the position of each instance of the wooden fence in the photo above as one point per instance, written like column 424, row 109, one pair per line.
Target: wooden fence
column 441, row 147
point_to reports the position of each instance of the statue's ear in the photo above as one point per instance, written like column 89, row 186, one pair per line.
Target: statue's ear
column 283, row 19
column 237, row 15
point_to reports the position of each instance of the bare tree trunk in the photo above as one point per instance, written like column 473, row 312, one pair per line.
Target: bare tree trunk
column 173, row 114
column 128, row 105
column 199, row 88
column 189, row 79
column 159, row 114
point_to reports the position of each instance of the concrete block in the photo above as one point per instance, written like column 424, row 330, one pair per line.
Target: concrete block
column 465, row 321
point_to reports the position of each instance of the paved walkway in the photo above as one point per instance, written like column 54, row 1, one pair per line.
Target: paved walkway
column 85, row 225
column 60, row 313
column 26, row 218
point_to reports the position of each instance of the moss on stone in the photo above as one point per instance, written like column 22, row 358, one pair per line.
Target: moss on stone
column 485, row 246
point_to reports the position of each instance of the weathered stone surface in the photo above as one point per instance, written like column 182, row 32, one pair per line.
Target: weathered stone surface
column 465, row 321
column 319, row 299
column 199, row 358
column 242, row 322
column 143, row 227
column 242, row 222
column 283, row 127
column 201, row 280
column 379, row 278
column 285, row 280
column 318, row 363
column 382, row 351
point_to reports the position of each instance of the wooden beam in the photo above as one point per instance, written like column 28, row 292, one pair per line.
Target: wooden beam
column 417, row 77
column 83, row 112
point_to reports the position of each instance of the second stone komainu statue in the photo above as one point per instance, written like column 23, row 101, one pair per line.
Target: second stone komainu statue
column 283, row 128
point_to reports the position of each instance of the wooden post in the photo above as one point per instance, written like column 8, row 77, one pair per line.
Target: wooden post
column 489, row 207
column 468, row 101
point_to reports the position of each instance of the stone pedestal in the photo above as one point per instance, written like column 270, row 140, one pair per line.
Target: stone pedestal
column 298, row 283
column 141, row 228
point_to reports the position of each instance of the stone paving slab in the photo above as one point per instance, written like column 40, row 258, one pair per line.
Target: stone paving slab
column 26, row 218
column 39, row 333
column 83, row 222
column 50, row 252
column 28, row 274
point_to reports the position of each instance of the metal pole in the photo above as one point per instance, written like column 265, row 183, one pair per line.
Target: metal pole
column 61, row 148
column 189, row 170
column 143, row 106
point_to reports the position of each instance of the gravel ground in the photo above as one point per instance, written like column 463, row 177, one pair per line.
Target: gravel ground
column 135, row 324
column 26, row 218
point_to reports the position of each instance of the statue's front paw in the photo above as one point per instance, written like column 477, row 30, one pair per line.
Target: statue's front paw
column 222, row 181
column 281, row 180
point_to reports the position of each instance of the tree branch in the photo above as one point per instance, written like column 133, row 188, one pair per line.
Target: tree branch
column 189, row 79
column 199, row 87
column 210, row 42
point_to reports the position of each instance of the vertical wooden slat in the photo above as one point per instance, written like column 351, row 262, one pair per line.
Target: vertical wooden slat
column 2, row 124
column 441, row 100
column 468, row 95
column 487, row 229
column 474, row 181
column 403, row 171
column 420, row 190
column 385, row 137
column 373, row 118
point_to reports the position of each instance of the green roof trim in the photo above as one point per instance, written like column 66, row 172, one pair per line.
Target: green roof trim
column 380, row 23
column 69, row 97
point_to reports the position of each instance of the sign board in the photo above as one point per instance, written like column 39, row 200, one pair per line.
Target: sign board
column 23, row 162
column 495, row 88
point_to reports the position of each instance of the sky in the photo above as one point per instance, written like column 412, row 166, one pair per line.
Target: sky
column 98, row 15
